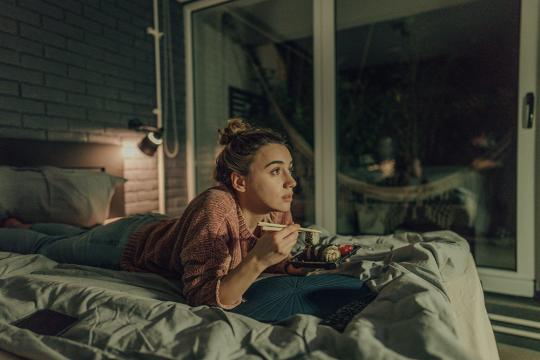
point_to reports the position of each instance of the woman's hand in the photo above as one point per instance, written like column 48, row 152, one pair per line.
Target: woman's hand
column 275, row 246
column 271, row 248
column 290, row 269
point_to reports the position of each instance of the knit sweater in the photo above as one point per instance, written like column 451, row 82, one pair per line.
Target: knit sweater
column 210, row 239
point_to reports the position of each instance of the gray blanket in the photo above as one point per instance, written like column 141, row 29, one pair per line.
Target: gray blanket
column 143, row 316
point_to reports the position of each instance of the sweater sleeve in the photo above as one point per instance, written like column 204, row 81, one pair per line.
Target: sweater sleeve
column 286, row 219
column 206, row 258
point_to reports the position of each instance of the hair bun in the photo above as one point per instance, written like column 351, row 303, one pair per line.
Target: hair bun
column 235, row 127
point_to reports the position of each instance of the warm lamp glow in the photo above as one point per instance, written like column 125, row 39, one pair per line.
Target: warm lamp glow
column 129, row 149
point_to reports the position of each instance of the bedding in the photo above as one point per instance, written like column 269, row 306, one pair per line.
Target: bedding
column 429, row 304
column 50, row 194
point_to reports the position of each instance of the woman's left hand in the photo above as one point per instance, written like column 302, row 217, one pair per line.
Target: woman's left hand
column 290, row 269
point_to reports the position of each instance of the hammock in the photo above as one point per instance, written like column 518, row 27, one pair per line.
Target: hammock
column 390, row 194
column 407, row 193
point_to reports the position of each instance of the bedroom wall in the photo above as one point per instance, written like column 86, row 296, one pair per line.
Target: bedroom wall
column 78, row 70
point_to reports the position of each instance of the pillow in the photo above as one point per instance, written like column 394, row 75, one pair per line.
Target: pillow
column 278, row 297
column 50, row 194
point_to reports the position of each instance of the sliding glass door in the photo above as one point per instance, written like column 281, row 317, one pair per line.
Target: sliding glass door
column 422, row 119
column 427, row 119
column 428, row 115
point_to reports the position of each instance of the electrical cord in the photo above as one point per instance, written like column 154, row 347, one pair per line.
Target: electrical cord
column 168, row 84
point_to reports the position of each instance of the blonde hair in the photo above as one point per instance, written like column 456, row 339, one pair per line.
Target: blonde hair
column 241, row 141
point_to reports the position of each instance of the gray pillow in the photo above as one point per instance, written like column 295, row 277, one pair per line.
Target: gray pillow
column 50, row 194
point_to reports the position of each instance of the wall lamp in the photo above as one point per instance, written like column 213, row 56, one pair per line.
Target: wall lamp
column 153, row 138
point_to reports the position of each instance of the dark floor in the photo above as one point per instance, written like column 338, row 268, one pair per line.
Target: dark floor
column 516, row 307
column 509, row 352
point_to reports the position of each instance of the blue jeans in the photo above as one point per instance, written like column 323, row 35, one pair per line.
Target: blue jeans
column 100, row 246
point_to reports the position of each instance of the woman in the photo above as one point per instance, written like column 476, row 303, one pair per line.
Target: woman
column 216, row 246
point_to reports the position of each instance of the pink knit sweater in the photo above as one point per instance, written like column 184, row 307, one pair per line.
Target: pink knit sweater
column 210, row 239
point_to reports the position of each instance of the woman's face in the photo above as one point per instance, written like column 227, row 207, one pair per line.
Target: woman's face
column 269, row 184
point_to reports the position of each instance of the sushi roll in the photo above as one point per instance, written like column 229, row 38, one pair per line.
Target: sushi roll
column 309, row 253
column 329, row 253
column 312, row 238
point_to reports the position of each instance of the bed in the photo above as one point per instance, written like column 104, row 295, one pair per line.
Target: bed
column 429, row 304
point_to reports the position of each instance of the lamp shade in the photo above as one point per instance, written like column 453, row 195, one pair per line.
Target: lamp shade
column 150, row 143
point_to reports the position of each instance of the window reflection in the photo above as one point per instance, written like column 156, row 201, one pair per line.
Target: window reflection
column 426, row 120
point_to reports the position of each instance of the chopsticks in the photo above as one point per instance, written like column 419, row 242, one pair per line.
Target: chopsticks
column 276, row 227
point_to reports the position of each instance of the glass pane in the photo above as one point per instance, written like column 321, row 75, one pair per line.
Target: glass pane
column 254, row 59
column 427, row 113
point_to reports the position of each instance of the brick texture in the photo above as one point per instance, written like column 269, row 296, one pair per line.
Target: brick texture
column 78, row 70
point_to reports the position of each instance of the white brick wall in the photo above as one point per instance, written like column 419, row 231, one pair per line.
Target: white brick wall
column 78, row 71
column 141, row 188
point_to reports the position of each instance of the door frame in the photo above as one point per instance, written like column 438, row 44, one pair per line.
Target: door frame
column 191, row 163
column 522, row 281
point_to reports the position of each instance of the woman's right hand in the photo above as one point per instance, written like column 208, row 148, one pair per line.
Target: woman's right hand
column 275, row 246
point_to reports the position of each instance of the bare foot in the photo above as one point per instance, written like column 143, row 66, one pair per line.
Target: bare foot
column 15, row 224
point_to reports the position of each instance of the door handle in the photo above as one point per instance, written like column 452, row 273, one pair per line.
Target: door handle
column 529, row 115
